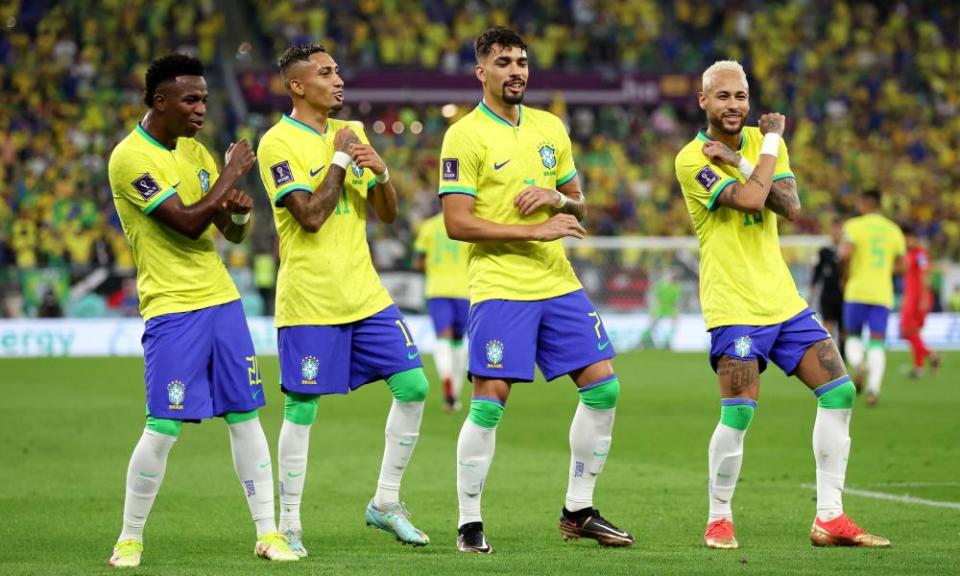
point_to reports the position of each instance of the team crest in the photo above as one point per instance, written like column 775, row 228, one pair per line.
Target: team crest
column 494, row 354
column 357, row 170
column 204, row 180
column 742, row 346
column 176, row 391
column 309, row 368
column 548, row 156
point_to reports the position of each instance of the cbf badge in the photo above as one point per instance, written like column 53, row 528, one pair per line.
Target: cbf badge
column 204, row 180
column 494, row 354
column 309, row 368
column 548, row 156
column 742, row 346
column 176, row 391
column 357, row 170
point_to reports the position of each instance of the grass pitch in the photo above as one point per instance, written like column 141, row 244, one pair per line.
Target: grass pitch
column 68, row 426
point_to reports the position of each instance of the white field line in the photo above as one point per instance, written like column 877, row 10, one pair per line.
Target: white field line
column 895, row 497
column 913, row 484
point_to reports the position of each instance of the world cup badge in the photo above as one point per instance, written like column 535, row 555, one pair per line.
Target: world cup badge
column 176, row 391
column 494, row 354
column 548, row 156
column 309, row 368
column 742, row 346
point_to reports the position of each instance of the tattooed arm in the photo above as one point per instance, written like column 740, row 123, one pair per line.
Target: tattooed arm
column 751, row 196
column 312, row 210
column 783, row 198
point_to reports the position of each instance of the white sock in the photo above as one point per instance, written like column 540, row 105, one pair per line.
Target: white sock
column 725, row 458
column 831, row 447
column 876, row 364
column 475, row 449
column 459, row 369
column 443, row 358
column 590, row 435
column 251, row 458
column 402, row 431
column 853, row 349
column 144, row 476
column 292, row 463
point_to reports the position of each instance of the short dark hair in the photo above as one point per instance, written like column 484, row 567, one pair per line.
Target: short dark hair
column 168, row 68
column 908, row 228
column 294, row 54
column 505, row 37
column 873, row 194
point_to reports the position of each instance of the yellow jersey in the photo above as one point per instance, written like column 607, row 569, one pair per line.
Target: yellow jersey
column 877, row 241
column 174, row 272
column 326, row 277
column 486, row 157
column 445, row 260
column 743, row 277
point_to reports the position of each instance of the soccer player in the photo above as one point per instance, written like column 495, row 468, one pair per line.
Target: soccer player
column 199, row 356
column 509, row 186
column 872, row 250
column 444, row 261
column 735, row 180
column 826, row 274
column 917, row 301
column 338, row 327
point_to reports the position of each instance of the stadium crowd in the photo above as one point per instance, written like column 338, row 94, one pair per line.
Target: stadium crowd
column 866, row 90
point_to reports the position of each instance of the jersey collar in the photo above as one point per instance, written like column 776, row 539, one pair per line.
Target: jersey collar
column 298, row 124
column 702, row 136
column 497, row 118
column 146, row 136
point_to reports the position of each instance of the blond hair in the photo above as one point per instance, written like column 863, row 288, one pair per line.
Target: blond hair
column 710, row 74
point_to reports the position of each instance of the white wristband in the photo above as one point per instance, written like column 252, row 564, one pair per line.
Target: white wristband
column 341, row 159
column 383, row 178
column 771, row 144
column 745, row 168
column 563, row 199
column 240, row 219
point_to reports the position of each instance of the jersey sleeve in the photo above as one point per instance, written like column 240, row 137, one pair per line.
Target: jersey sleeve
column 701, row 180
column 566, row 169
column 782, row 169
column 139, row 179
column 459, row 164
column 424, row 238
column 280, row 170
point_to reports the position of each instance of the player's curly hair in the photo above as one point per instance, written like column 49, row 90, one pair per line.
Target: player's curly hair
column 294, row 54
column 504, row 37
column 168, row 68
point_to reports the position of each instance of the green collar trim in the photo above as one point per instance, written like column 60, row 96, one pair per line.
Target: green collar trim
column 302, row 126
column 702, row 136
column 499, row 119
column 139, row 130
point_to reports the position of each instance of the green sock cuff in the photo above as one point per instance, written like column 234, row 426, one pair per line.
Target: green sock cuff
column 456, row 342
column 300, row 408
column 736, row 416
column 238, row 417
column 839, row 398
column 164, row 426
column 409, row 385
column 601, row 395
column 485, row 413
column 876, row 343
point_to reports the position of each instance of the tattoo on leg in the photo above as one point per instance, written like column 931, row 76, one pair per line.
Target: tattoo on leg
column 740, row 375
column 829, row 359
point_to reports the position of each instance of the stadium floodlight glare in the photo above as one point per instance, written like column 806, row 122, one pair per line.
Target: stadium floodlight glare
column 449, row 110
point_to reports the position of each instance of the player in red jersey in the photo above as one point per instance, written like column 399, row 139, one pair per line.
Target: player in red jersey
column 917, row 301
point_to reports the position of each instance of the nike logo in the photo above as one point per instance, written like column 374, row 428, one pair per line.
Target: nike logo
column 603, row 345
column 599, row 454
column 296, row 474
column 406, row 442
column 149, row 474
column 265, row 464
column 315, row 172
column 412, row 355
column 497, row 166
column 467, row 464
column 257, row 393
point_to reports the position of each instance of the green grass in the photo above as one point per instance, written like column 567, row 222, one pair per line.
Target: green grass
column 67, row 427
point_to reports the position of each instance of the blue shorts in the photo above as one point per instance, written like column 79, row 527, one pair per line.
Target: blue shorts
column 855, row 315
column 201, row 364
column 449, row 313
column 559, row 334
column 338, row 358
column 784, row 343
